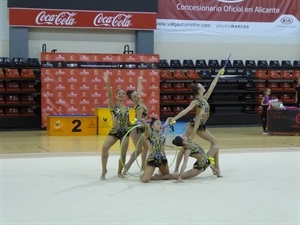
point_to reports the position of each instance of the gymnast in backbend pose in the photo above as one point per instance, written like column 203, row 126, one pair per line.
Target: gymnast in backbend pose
column 141, row 112
column 200, row 103
column 120, row 120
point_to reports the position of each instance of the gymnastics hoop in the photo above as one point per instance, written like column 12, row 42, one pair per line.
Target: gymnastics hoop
column 176, row 152
column 135, row 151
column 122, row 142
column 138, row 142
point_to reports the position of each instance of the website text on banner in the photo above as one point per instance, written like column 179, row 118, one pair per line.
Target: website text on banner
column 231, row 17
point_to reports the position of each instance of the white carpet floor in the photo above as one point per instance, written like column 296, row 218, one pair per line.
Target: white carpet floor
column 257, row 189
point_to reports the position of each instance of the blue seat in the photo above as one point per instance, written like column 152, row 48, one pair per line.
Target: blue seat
column 275, row 64
column 163, row 63
column 175, row 63
column 250, row 63
column 188, row 63
column 213, row 63
column 262, row 64
column 201, row 63
column 238, row 64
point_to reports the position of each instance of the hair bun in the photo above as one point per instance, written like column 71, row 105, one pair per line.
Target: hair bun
column 128, row 93
column 178, row 141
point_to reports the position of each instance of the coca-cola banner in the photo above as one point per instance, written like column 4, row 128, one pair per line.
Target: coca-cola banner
column 81, row 19
column 236, row 17
column 69, row 87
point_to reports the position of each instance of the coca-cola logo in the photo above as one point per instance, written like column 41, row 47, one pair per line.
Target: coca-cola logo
column 60, row 19
column 119, row 20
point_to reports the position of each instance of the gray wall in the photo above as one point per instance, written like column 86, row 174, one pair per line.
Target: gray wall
column 18, row 42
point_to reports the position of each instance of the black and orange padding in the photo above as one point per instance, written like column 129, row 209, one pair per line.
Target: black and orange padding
column 261, row 74
column 260, row 86
column 179, row 98
column 273, row 74
column 193, row 75
column 179, row 75
column 166, row 86
column 180, row 86
column 166, row 75
column 274, row 86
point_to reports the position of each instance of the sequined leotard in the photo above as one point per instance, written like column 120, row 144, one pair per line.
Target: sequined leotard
column 158, row 157
column 145, row 110
column 201, row 103
column 122, row 118
column 197, row 150
column 144, row 116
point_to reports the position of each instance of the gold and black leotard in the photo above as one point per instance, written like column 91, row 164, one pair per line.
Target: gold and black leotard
column 195, row 149
column 144, row 116
column 144, row 112
column 201, row 103
column 122, row 118
column 157, row 157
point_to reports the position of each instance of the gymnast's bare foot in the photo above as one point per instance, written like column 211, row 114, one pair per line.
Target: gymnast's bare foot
column 125, row 170
column 216, row 171
column 155, row 176
column 103, row 175
column 120, row 175
column 218, row 174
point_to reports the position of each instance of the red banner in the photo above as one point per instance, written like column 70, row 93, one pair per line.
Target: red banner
column 80, row 90
column 228, row 10
column 81, row 19
column 89, row 57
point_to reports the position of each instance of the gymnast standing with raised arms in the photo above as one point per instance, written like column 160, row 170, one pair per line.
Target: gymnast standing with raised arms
column 120, row 120
column 137, row 135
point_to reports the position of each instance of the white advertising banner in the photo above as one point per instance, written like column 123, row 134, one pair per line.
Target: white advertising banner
column 230, row 17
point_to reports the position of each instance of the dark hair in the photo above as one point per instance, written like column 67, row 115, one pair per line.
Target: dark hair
column 195, row 89
column 152, row 121
column 178, row 141
column 129, row 92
